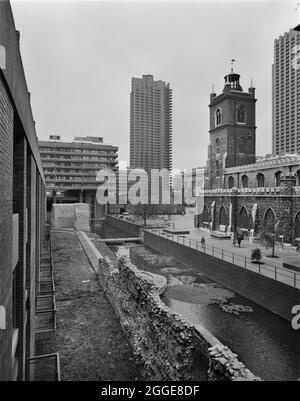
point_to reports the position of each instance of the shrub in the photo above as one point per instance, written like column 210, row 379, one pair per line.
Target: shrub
column 256, row 255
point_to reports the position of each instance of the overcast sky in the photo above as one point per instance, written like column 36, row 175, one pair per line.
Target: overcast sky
column 79, row 58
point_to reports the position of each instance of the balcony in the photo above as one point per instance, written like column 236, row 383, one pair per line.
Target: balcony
column 45, row 367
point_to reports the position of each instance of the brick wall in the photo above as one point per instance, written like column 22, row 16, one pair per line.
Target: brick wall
column 31, row 253
column 20, row 207
column 6, row 209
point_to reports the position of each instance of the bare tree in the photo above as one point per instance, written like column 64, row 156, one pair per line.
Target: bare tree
column 268, row 236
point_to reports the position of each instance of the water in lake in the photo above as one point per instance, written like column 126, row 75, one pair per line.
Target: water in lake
column 266, row 343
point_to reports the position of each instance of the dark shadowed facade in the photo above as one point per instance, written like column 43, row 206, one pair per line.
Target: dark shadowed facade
column 244, row 192
column 22, row 206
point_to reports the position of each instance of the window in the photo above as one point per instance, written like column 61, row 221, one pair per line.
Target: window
column 244, row 181
column 218, row 117
column 269, row 220
column 218, row 168
column 277, row 178
column 230, row 182
column 244, row 219
column 223, row 219
column 218, row 145
column 241, row 114
column 260, row 180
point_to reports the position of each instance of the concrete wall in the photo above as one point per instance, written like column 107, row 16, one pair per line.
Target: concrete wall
column 270, row 294
column 71, row 215
column 131, row 228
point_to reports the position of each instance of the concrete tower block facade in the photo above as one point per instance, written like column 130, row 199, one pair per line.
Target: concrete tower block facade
column 232, row 129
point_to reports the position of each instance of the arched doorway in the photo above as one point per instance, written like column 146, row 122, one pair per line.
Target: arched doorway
column 269, row 219
column 244, row 219
column 223, row 217
column 205, row 215
column 297, row 225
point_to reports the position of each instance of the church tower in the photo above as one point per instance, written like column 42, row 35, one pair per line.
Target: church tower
column 232, row 129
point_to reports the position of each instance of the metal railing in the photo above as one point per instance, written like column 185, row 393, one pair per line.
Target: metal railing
column 45, row 287
column 45, row 313
column 274, row 272
column 45, row 295
column 128, row 219
column 45, row 367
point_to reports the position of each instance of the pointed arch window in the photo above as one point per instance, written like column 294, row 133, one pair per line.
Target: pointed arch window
column 206, row 215
column 269, row 220
column 277, row 178
column 230, row 182
column 218, row 145
column 218, row 168
column 260, row 180
column 241, row 114
column 244, row 181
column 223, row 218
column 244, row 219
column 218, row 116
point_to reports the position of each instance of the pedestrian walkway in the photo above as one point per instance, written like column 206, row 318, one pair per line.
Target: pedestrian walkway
column 285, row 255
column 233, row 256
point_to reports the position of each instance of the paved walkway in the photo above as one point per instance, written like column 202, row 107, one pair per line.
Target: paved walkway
column 288, row 254
column 224, row 249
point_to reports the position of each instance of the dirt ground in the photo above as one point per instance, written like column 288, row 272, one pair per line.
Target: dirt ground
column 89, row 338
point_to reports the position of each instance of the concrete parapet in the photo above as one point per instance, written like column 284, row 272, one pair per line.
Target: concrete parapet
column 92, row 253
column 71, row 215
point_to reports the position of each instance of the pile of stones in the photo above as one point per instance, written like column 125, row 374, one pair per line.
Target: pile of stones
column 230, row 307
column 224, row 366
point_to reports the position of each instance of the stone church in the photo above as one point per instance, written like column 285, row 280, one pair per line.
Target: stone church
column 243, row 192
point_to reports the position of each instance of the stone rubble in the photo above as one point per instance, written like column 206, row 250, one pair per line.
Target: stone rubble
column 166, row 346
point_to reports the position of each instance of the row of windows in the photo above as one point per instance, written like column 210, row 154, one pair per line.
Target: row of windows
column 260, row 180
column 240, row 115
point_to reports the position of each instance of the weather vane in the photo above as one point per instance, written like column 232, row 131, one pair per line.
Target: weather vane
column 232, row 64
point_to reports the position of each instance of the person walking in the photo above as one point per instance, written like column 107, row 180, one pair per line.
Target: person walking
column 234, row 241
column 239, row 239
column 203, row 242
